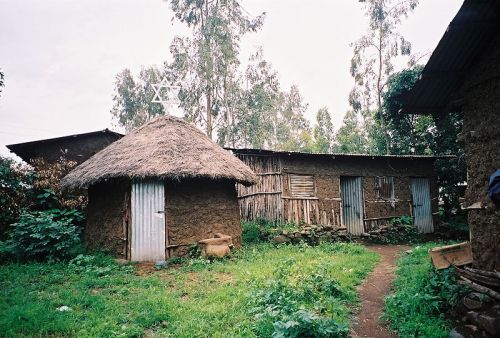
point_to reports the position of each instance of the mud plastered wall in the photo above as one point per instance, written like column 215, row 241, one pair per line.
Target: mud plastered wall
column 328, row 172
column 105, row 212
column 481, row 131
column 198, row 209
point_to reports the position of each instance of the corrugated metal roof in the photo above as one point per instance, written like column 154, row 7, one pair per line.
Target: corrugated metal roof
column 14, row 147
column 262, row 152
column 467, row 36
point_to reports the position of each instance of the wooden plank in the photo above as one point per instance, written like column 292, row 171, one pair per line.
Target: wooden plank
column 260, row 193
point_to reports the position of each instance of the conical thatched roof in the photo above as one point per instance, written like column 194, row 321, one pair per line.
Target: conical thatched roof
column 166, row 147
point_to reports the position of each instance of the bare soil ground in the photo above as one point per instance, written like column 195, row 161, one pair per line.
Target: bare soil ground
column 372, row 293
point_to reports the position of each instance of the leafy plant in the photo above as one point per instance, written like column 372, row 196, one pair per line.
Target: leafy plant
column 422, row 296
column 38, row 235
column 402, row 220
column 291, row 307
column 99, row 265
column 263, row 230
column 15, row 188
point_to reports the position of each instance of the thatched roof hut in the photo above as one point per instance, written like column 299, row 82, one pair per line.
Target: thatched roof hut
column 167, row 148
column 159, row 190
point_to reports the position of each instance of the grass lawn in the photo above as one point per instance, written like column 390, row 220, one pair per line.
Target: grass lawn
column 422, row 296
column 223, row 299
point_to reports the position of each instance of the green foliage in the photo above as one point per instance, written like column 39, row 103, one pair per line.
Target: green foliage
column 205, row 63
column 402, row 220
column 132, row 99
column 350, row 138
column 426, row 135
column 98, row 265
column 422, row 296
column 409, row 133
column 15, row 191
column 323, row 132
column 373, row 62
column 42, row 235
column 46, row 199
column 108, row 300
column 294, row 306
column 262, row 230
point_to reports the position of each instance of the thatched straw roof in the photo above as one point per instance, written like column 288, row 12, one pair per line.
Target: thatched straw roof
column 166, row 147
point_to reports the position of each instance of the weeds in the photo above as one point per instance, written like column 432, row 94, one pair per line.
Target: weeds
column 198, row 299
column 422, row 296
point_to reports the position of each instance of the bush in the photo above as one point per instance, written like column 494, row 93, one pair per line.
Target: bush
column 15, row 188
column 291, row 307
column 422, row 296
column 42, row 235
column 262, row 230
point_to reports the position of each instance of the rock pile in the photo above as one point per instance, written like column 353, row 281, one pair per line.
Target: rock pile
column 481, row 318
column 313, row 234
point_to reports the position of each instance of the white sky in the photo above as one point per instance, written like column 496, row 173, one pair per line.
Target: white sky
column 60, row 57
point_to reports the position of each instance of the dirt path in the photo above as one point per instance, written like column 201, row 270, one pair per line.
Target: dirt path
column 372, row 293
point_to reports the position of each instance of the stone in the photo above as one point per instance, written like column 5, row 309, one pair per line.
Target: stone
column 472, row 328
column 455, row 334
column 281, row 239
column 472, row 316
column 471, row 303
column 490, row 324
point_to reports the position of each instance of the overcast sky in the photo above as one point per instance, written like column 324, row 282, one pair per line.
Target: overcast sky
column 60, row 57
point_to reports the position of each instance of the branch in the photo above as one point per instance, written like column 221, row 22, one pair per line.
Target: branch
column 479, row 288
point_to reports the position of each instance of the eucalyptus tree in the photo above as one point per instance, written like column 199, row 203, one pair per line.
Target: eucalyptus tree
column 350, row 137
column 374, row 59
column 132, row 106
column 323, row 132
column 205, row 63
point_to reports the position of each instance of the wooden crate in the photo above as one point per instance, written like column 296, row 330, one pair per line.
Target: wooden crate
column 456, row 254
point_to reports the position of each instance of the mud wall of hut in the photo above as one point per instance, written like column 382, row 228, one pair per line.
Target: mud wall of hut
column 198, row 209
column 107, row 218
column 482, row 148
column 272, row 199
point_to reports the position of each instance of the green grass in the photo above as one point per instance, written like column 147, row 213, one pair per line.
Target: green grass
column 422, row 296
column 198, row 299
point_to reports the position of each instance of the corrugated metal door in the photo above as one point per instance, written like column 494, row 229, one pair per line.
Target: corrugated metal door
column 422, row 209
column 148, row 221
column 352, row 204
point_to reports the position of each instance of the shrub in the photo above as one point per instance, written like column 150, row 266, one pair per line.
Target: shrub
column 263, row 230
column 15, row 185
column 46, row 185
column 288, row 306
column 422, row 296
column 41, row 235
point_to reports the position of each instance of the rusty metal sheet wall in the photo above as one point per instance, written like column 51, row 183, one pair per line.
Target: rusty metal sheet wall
column 148, row 228
column 352, row 204
column 422, row 208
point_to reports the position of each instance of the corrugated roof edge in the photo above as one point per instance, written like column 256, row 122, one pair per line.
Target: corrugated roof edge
column 105, row 131
column 251, row 151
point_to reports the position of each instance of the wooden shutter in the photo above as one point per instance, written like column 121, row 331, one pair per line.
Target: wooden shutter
column 302, row 185
column 385, row 187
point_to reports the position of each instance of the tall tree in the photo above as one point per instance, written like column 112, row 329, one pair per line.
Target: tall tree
column 425, row 134
column 292, row 130
column 257, row 106
column 205, row 64
column 132, row 99
column 350, row 137
column 409, row 133
column 323, row 132
column 374, row 57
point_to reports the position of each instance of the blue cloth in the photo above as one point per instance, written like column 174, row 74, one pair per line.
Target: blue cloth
column 494, row 188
